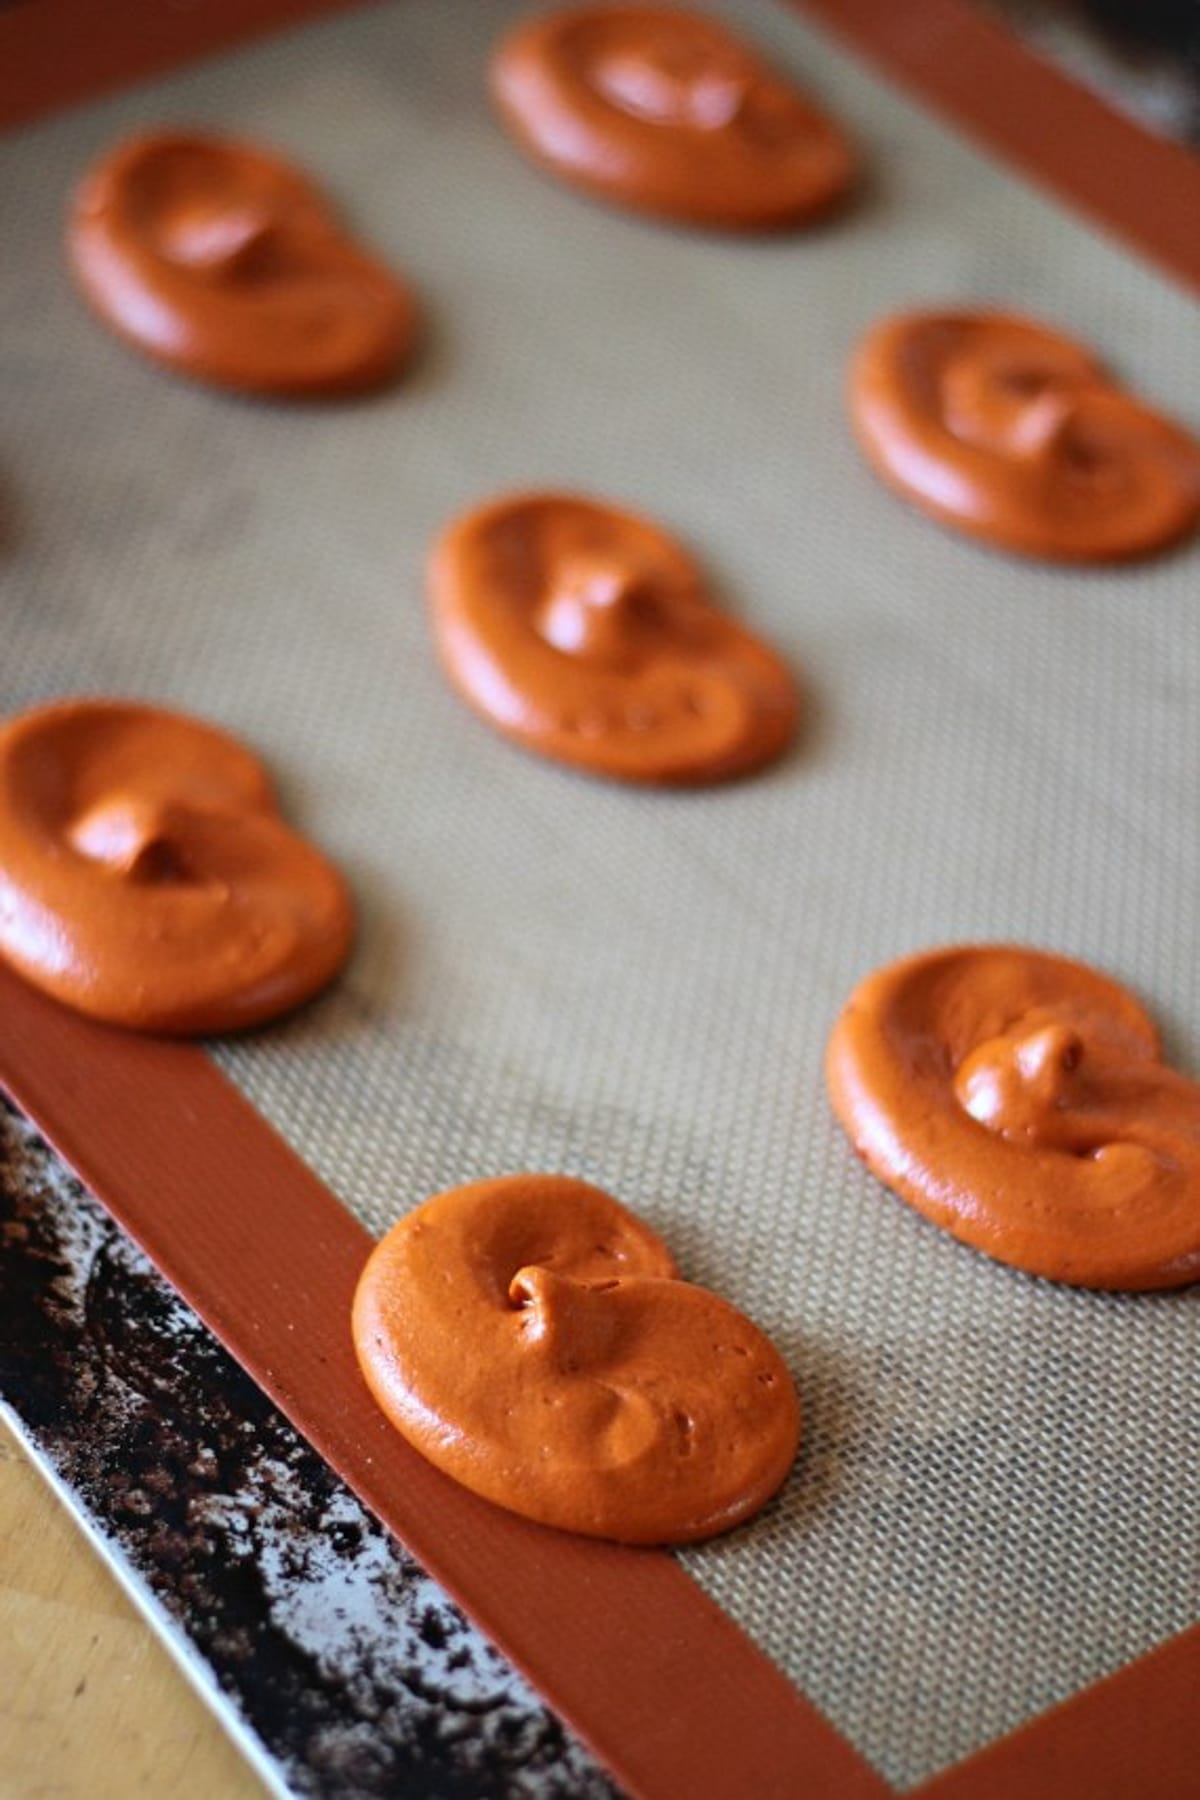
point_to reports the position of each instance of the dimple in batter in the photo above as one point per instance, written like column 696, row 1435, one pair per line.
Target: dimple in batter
column 533, row 1338
column 147, row 877
column 1019, row 1101
column 1008, row 430
column 663, row 110
column 586, row 634
column 222, row 262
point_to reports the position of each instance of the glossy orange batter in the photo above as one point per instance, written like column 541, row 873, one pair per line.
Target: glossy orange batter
column 586, row 634
column 1010, row 431
column 224, row 263
column 147, row 878
column 533, row 1339
column 665, row 111
column 1018, row 1100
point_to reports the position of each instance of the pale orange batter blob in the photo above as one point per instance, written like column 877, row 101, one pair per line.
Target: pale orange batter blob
column 665, row 111
column 1018, row 1100
column 224, row 263
column 586, row 634
column 533, row 1339
column 147, row 878
column 1015, row 434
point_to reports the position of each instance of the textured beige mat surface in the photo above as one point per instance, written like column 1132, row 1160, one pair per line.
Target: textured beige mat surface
column 997, row 1499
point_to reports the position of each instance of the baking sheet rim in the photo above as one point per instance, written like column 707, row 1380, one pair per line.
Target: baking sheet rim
column 744, row 1720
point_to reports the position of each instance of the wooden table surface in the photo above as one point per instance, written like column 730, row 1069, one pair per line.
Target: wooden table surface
column 90, row 1702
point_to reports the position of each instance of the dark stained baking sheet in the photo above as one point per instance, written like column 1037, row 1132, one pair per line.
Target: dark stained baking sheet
column 638, row 988
column 342, row 1668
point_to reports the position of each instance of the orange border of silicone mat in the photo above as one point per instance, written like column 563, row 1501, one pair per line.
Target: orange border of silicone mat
column 665, row 1688
column 981, row 76
column 58, row 52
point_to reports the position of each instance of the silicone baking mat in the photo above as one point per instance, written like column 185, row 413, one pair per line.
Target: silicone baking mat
column 996, row 1502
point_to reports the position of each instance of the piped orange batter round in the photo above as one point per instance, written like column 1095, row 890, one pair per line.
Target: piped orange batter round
column 224, row 263
column 147, row 878
column 1012, row 432
column 665, row 111
column 1019, row 1101
column 587, row 634
column 533, row 1339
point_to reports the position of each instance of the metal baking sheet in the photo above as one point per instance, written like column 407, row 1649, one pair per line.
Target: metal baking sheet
column 339, row 1666
column 637, row 987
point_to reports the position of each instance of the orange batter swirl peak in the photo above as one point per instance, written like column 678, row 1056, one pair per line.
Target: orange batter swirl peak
column 586, row 634
column 665, row 111
column 1019, row 1101
column 533, row 1339
column 224, row 263
column 1012, row 432
column 147, row 878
